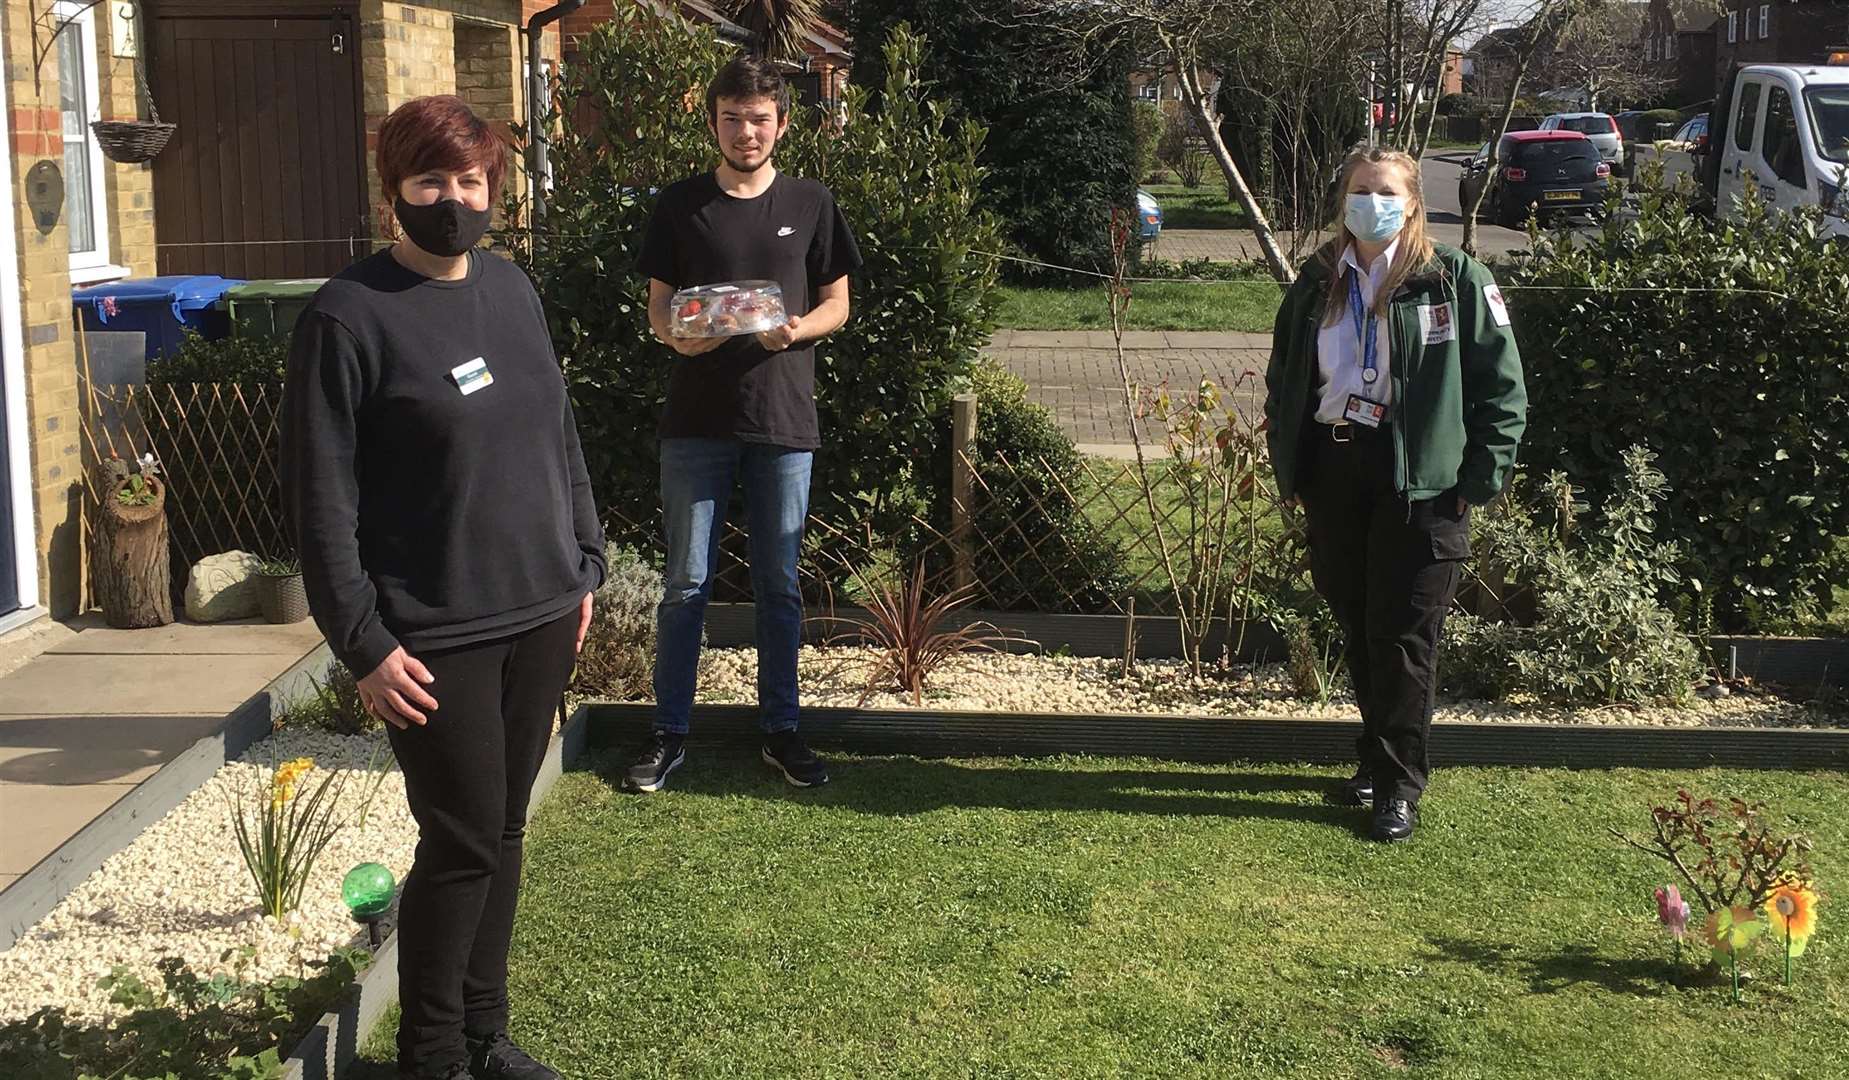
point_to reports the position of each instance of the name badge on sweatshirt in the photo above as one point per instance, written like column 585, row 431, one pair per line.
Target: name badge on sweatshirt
column 472, row 376
column 1436, row 321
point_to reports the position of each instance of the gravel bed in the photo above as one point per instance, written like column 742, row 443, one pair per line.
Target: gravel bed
column 181, row 889
column 1068, row 684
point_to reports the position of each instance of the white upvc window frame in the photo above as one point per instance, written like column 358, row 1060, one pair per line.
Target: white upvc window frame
column 93, row 265
column 1733, row 27
column 15, row 427
column 1765, row 21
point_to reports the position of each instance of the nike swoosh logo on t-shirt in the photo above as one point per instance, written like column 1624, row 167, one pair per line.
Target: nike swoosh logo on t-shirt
column 786, row 230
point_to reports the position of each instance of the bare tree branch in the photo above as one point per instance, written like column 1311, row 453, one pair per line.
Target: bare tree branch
column 1187, row 35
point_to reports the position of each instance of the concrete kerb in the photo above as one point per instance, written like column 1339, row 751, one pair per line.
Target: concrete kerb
column 335, row 1040
column 52, row 879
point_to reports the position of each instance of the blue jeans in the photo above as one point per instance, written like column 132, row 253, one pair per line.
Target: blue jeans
column 696, row 485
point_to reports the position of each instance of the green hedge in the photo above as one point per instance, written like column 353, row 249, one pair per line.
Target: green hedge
column 1062, row 148
column 224, row 360
column 1724, row 348
column 907, row 180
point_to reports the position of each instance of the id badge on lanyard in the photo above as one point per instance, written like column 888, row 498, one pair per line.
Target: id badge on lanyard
column 1362, row 408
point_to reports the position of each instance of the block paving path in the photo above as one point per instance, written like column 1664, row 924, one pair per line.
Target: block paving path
column 1074, row 373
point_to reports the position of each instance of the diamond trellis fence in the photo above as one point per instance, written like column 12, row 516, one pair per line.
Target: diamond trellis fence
column 217, row 448
column 1036, row 538
column 1029, row 535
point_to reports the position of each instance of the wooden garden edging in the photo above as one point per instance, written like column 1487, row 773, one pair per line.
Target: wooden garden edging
column 334, row 1042
column 967, row 733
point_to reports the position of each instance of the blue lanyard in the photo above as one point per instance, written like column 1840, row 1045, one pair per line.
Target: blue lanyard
column 1369, row 338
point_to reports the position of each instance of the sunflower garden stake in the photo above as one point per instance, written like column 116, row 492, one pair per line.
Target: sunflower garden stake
column 1729, row 930
column 1792, row 911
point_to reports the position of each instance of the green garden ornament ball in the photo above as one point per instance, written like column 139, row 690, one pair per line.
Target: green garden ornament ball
column 367, row 889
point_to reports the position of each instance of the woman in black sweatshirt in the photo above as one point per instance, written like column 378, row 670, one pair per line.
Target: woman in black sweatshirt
column 450, row 546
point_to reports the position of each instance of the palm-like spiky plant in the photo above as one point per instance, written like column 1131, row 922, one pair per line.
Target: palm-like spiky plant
column 777, row 26
column 902, row 627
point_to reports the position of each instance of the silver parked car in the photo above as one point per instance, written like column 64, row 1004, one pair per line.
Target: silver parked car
column 1601, row 128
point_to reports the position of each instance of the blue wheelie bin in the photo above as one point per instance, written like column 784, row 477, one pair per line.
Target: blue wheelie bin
column 162, row 307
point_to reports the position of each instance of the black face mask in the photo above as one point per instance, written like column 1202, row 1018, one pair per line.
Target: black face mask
column 445, row 228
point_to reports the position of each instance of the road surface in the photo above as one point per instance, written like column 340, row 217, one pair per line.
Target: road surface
column 1441, row 171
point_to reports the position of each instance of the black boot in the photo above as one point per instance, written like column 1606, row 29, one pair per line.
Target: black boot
column 1394, row 820
column 1357, row 790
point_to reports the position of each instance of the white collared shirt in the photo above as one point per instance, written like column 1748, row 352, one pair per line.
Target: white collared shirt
column 1338, row 347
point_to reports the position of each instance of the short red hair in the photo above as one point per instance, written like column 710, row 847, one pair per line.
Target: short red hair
column 438, row 132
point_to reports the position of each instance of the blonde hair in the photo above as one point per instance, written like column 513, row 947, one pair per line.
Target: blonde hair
column 1415, row 249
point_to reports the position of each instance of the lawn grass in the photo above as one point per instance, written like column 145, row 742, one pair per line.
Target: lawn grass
column 1249, row 306
column 1204, row 207
column 1131, row 918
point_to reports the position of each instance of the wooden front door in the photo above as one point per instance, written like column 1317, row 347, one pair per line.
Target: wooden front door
column 265, row 176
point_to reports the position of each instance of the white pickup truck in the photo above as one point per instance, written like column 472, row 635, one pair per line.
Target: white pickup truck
column 1784, row 130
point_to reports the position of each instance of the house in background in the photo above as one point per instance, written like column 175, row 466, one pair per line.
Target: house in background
column 1493, row 63
column 279, row 104
column 1789, row 31
column 71, row 217
column 1677, row 43
column 1155, row 85
column 267, row 175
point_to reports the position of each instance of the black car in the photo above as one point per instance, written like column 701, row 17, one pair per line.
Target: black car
column 1551, row 172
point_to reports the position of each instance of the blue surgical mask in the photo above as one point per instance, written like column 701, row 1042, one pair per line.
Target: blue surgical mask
column 1375, row 217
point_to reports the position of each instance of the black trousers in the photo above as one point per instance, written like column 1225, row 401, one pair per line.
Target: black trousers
column 1389, row 571
column 468, row 774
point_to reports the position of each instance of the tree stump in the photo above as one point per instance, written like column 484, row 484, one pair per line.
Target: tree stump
column 133, row 578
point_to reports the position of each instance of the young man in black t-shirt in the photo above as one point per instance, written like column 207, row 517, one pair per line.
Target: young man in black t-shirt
column 741, row 405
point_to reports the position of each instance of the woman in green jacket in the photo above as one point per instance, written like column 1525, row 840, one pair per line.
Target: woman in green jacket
column 1394, row 403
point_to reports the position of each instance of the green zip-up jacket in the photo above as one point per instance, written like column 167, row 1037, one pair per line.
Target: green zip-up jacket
column 1459, row 405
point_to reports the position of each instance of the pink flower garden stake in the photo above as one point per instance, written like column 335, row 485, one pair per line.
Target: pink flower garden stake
column 1672, row 911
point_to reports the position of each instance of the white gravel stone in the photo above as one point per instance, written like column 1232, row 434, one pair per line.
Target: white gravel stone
column 1067, row 684
column 181, row 889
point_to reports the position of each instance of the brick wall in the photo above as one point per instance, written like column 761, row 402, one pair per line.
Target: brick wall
column 1694, row 66
column 470, row 48
column 487, row 69
column 129, row 188
column 1799, row 33
column 45, row 302
column 593, row 14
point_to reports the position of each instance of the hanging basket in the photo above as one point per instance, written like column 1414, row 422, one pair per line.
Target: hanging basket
column 132, row 141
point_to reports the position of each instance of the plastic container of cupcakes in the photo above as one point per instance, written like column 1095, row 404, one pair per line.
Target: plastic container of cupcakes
column 728, row 309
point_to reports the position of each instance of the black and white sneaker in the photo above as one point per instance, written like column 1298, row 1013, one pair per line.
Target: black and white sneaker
column 786, row 752
column 498, row 1058
column 664, row 754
